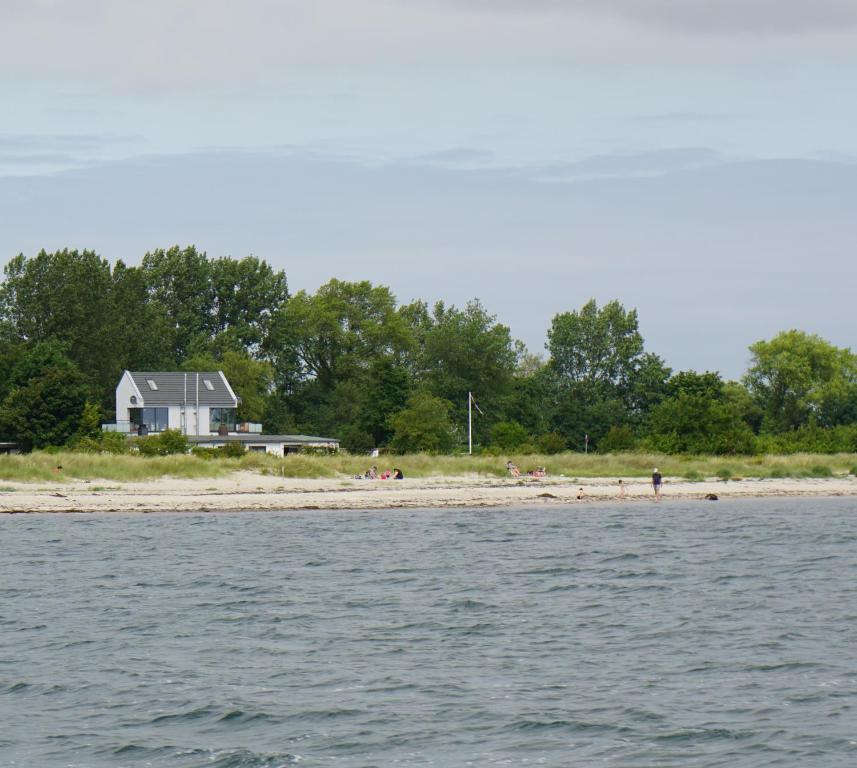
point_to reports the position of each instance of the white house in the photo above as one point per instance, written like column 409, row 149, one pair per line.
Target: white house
column 201, row 405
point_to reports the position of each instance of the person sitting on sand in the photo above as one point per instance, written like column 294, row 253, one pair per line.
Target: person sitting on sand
column 385, row 475
column 580, row 493
column 397, row 474
column 513, row 470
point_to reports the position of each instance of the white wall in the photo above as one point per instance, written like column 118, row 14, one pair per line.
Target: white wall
column 123, row 398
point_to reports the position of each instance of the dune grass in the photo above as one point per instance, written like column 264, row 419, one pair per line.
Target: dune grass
column 569, row 464
column 45, row 467
column 41, row 466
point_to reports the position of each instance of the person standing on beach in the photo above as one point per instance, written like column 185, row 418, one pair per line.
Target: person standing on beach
column 621, row 489
column 656, row 484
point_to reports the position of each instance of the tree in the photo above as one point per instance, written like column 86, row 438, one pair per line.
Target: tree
column 338, row 332
column 247, row 293
column 796, row 377
column 602, row 375
column 66, row 297
column 461, row 351
column 600, row 348
column 45, row 400
column 700, row 416
column 423, row 426
column 508, row 435
column 180, row 281
column 250, row 379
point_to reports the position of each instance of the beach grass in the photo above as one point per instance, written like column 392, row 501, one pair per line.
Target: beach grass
column 43, row 466
column 576, row 465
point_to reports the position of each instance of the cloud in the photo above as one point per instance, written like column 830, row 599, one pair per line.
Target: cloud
column 634, row 164
column 231, row 46
column 456, row 157
column 714, row 257
column 69, row 142
column 774, row 17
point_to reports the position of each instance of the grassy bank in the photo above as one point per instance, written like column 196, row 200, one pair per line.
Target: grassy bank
column 56, row 467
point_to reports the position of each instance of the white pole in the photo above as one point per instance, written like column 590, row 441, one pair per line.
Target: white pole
column 469, row 424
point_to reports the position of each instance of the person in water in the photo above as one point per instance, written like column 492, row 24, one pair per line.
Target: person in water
column 656, row 483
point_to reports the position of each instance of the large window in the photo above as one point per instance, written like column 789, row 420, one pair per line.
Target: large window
column 155, row 419
column 221, row 417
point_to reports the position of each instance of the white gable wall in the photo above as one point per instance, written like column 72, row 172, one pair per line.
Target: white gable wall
column 124, row 391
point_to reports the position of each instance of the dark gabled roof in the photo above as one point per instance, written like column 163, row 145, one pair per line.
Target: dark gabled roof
column 172, row 388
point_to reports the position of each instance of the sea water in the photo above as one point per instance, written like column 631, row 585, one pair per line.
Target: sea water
column 673, row 634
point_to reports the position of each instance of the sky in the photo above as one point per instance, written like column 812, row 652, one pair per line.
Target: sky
column 695, row 160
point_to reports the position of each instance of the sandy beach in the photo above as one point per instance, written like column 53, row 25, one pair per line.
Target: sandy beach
column 251, row 491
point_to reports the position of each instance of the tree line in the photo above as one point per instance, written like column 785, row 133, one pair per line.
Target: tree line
column 349, row 361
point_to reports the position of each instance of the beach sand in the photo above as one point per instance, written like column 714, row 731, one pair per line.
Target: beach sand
column 251, row 491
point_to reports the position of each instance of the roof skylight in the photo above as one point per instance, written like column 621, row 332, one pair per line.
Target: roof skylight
column 208, row 385
column 152, row 385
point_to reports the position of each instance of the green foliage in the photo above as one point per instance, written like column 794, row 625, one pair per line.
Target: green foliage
column 46, row 398
column 810, row 439
column 64, row 298
column 339, row 330
column 820, row 470
column 461, row 351
column 89, row 425
column 423, row 426
column 551, row 443
column 355, row 440
column 508, row 435
column 232, row 449
column 697, row 417
column 796, row 377
column 618, row 438
column 251, row 380
column 597, row 347
column 724, row 473
column 165, row 443
column 104, row 442
column 603, row 377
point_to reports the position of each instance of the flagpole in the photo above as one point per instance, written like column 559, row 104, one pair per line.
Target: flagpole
column 470, row 423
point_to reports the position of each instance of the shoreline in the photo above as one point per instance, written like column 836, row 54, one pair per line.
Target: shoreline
column 248, row 491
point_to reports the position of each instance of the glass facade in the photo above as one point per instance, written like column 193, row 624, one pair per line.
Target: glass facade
column 218, row 417
column 155, row 419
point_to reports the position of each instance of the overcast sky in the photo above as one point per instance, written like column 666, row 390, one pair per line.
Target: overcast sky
column 694, row 159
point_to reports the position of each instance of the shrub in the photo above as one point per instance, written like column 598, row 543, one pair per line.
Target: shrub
column 105, row 442
column 163, row 444
column 232, row 450
column 692, row 476
column 724, row 473
column 205, row 453
column 551, row 443
column 356, row 440
column 423, row 426
column 820, row 470
column 508, row 435
column 619, row 437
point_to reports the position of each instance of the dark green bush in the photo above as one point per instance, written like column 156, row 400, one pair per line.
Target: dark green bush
column 232, row 450
column 618, row 438
column 551, row 443
column 820, row 470
column 724, row 473
column 163, row 444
